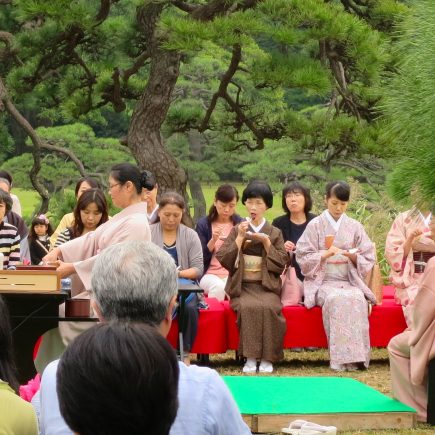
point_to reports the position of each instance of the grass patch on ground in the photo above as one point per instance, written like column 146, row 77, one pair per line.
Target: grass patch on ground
column 316, row 363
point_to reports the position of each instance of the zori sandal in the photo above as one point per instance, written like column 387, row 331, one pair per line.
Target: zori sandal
column 302, row 427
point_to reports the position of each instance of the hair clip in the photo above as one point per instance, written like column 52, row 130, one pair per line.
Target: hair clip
column 44, row 218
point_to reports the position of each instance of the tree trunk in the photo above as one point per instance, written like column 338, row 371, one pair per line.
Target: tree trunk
column 196, row 147
column 144, row 138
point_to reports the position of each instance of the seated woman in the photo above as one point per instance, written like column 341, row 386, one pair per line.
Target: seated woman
column 16, row 415
column 89, row 213
column 39, row 238
column 183, row 244
column 407, row 248
column 254, row 256
column 297, row 203
column 82, row 185
column 149, row 195
column 9, row 237
column 411, row 351
column 212, row 231
column 334, row 278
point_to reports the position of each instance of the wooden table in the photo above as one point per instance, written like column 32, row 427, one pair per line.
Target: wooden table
column 32, row 314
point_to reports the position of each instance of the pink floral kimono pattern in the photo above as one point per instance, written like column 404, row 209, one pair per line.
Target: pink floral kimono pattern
column 338, row 286
column 403, row 276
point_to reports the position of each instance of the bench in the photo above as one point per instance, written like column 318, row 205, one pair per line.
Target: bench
column 217, row 329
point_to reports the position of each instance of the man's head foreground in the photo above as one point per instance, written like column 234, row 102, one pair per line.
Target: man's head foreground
column 119, row 378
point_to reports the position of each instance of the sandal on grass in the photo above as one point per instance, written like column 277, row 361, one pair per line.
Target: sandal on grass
column 302, row 427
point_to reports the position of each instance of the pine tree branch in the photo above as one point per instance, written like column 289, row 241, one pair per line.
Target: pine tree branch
column 138, row 64
column 214, row 8
column 186, row 7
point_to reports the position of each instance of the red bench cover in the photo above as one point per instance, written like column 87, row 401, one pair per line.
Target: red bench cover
column 217, row 329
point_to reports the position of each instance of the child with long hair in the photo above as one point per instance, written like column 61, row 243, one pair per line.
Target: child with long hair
column 39, row 238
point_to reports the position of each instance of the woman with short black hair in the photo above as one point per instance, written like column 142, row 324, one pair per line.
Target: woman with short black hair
column 296, row 203
column 254, row 256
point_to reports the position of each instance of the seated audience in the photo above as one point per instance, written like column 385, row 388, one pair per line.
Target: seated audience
column 119, row 378
column 39, row 238
column 407, row 248
column 254, row 256
column 183, row 245
column 334, row 278
column 149, row 195
column 89, row 213
column 17, row 416
column 297, row 203
column 16, row 205
column 82, row 185
column 9, row 237
column 212, row 231
column 137, row 281
column 411, row 351
column 18, row 222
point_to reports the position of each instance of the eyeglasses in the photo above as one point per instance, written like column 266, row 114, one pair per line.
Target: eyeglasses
column 110, row 187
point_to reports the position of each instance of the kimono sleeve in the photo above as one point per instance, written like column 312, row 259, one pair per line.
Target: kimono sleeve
column 308, row 253
column 277, row 256
column 229, row 252
column 396, row 238
column 366, row 255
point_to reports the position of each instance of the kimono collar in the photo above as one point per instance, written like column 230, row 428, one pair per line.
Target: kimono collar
column 151, row 215
column 259, row 227
column 335, row 224
column 426, row 220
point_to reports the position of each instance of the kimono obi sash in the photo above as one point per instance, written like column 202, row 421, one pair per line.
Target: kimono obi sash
column 337, row 268
column 421, row 259
column 252, row 269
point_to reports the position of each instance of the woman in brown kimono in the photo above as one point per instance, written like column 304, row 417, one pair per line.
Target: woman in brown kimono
column 254, row 256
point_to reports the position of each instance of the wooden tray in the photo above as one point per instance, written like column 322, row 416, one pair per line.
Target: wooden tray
column 34, row 281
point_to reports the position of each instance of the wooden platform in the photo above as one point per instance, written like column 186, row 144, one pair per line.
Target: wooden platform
column 266, row 423
column 271, row 403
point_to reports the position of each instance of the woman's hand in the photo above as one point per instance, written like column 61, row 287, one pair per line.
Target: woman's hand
column 65, row 269
column 413, row 234
column 333, row 250
column 350, row 256
column 242, row 229
column 289, row 246
column 52, row 256
column 217, row 232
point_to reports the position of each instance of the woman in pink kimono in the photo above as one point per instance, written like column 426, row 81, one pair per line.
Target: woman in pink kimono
column 335, row 255
column 78, row 256
column 411, row 351
column 408, row 247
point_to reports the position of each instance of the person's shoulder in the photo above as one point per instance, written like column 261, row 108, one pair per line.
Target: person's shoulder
column 280, row 221
column 50, row 372
column 10, row 228
column 311, row 216
column 202, row 222
column 199, row 375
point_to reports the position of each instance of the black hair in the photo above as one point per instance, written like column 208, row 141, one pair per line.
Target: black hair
column 149, row 181
column 40, row 220
column 7, row 365
column 225, row 193
column 93, row 183
column 88, row 197
column 6, row 199
column 296, row 187
column 339, row 189
column 6, row 175
column 116, row 378
column 123, row 172
column 258, row 189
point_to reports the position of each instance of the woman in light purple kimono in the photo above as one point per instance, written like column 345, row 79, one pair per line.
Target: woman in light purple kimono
column 335, row 255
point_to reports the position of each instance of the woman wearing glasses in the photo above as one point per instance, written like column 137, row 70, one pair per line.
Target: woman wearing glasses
column 125, row 188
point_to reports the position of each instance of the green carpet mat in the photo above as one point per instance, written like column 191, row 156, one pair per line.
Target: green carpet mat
column 310, row 395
